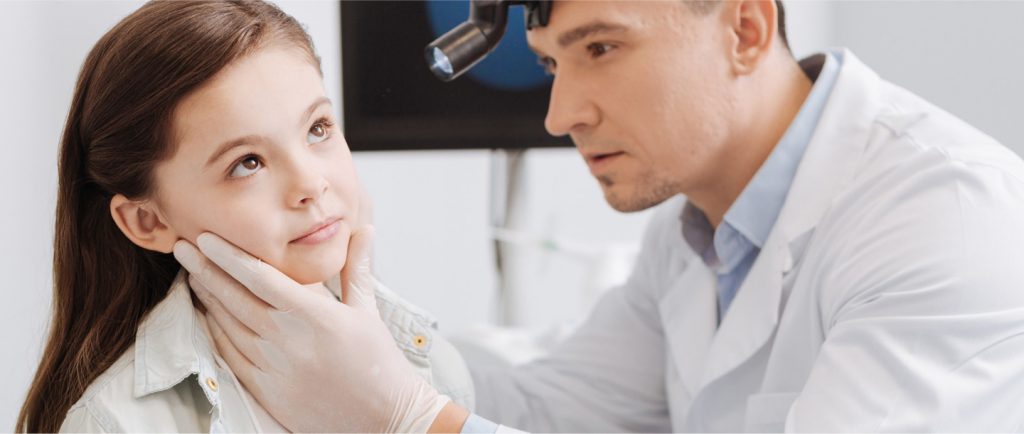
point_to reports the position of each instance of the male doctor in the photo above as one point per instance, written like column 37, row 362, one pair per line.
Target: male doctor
column 831, row 253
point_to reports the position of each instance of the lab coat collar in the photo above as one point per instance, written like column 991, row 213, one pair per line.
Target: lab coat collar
column 835, row 150
column 172, row 344
column 828, row 164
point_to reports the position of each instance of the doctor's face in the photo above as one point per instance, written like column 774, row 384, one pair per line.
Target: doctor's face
column 260, row 161
column 642, row 88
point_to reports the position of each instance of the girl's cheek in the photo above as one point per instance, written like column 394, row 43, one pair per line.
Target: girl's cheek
column 236, row 220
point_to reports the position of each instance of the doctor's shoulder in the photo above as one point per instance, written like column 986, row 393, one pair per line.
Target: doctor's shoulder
column 935, row 205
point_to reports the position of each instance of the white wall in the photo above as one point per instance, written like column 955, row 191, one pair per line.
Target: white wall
column 42, row 45
column 808, row 25
column 965, row 56
column 432, row 207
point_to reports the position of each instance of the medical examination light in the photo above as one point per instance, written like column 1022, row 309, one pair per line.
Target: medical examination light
column 468, row 43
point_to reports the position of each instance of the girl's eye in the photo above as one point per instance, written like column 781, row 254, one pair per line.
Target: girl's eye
column 320, row 131
column 247, row 166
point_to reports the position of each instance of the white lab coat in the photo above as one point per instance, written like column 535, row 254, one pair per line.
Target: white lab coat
column 889, row 296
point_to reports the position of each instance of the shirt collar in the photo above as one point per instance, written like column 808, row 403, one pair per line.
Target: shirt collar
column 699, row 234
column 755, row 211
column 172, row 344
column 747, row 223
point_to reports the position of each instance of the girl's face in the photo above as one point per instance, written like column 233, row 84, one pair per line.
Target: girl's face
column 260, row 161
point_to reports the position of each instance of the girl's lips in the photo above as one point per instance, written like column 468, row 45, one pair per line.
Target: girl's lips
column 321, row 234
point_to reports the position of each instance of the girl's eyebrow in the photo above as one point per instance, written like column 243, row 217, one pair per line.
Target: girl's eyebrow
column 312, row 108
column 230, row 144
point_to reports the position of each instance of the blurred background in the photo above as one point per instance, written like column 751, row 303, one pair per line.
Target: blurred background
column 434, row 209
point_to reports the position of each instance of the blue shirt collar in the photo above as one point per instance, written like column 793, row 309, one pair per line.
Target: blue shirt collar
column 755, row 211
column 749, row 220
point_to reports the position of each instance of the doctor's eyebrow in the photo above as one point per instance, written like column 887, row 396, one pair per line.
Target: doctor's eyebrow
column 570, row 37
column 233, row 143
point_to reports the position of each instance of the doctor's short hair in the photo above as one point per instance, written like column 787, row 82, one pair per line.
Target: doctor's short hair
column 702, row 7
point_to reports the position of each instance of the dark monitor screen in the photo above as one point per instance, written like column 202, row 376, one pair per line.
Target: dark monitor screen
column 393, row 102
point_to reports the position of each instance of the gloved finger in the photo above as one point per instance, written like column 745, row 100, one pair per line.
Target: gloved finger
column 213, row 283
column 357, row 281
column 262, row 279
column 242, row 367
column 240, row 336
column 320, row 289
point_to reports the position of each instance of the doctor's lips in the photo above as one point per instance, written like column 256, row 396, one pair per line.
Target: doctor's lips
column 319, row 232
column 598, row 161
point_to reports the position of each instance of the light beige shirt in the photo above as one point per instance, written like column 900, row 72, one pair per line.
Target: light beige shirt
column 173, row 380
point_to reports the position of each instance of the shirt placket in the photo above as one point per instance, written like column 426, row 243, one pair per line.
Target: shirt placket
column 210, row 383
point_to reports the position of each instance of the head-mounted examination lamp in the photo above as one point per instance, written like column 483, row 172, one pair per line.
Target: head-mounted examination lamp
column 468, row 43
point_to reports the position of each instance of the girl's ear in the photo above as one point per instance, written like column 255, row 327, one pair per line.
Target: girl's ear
column 142, row 225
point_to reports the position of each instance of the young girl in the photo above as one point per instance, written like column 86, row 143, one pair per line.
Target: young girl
column 194, row 117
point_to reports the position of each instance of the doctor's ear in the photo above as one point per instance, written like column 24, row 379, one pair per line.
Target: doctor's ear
column 142, row 224
column 754, row 29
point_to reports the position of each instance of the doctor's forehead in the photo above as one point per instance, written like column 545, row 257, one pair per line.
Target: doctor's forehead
column 574, row 20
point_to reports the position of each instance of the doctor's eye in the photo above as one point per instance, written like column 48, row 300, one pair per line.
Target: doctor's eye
column 548, row 64
column 320, row 131
column 246, row 166
column 598, row 49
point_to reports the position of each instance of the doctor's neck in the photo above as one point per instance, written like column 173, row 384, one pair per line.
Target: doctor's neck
column 768, row 101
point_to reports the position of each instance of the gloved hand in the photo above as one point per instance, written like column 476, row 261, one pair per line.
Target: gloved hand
column 314, row 364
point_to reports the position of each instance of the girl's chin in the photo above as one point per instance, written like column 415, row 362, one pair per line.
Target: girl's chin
column 317, row 270
column 310, row 277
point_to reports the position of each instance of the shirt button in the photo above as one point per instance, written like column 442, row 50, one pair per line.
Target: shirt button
column 211, row 383
column 419, row 341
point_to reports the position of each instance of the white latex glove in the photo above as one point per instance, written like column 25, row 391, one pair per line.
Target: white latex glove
column 314, row 364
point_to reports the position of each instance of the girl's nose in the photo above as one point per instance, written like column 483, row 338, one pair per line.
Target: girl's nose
column 307, row 189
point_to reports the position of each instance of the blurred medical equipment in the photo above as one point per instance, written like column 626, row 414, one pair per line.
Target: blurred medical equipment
column 604, row 265
column 512, row 343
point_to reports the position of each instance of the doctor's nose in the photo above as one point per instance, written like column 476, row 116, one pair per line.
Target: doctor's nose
column 570, row 108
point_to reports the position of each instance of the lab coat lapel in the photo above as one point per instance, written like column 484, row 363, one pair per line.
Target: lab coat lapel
column 751, row 319
column 828, row 164
column 689, row 320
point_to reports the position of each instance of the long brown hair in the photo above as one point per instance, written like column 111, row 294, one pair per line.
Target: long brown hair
column 117, row 130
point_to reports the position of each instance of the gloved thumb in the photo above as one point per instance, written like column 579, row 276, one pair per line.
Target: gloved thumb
column 357, row 281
